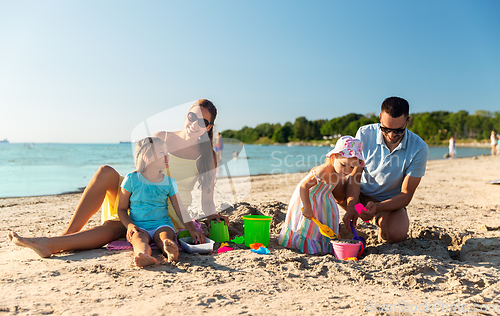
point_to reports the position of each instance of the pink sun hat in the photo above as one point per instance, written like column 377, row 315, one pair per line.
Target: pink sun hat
column 348, row 147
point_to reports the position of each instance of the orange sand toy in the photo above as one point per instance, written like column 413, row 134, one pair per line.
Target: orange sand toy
column 256, row 246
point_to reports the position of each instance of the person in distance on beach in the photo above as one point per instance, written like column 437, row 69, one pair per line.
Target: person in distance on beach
column 451, row 147
column 143, row 207
column 498, row 145
column 313, row 198
column 191, row 159
column 395, row 163
column 494, row 144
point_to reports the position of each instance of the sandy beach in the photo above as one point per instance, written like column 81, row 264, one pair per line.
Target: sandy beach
column 448, row 265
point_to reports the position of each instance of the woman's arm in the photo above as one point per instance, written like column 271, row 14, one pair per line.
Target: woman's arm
column 184, row 216
column 207, row 199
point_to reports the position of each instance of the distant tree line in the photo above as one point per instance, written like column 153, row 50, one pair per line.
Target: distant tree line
column 433, row 127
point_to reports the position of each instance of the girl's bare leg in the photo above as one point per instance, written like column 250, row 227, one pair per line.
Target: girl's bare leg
column 164, row 239
column 142, row 251
column 88, row 239
column 106, row 179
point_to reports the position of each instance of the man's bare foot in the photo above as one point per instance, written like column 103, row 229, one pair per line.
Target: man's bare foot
column 39, row 245
column 142, row 260
column 381, row 238
column 170, row 248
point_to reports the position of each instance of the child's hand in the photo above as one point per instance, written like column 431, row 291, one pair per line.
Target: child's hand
column 351, row 216
column 371, row 211
column 307, row 212
column 198, row 237
column 131, row 230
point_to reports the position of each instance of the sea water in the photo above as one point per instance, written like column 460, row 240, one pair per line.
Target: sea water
column 43, row 169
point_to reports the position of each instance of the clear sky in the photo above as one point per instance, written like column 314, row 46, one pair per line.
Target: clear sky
column 90, row 71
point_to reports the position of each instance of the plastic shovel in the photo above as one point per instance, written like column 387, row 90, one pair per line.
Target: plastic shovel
column 325, row 230
column 356, row 237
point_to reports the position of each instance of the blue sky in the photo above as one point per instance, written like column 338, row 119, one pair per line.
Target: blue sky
column 90, row 71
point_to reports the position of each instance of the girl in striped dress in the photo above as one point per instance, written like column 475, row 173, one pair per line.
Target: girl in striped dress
column 313, row 198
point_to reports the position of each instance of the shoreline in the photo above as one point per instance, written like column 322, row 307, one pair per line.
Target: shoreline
column 469, row 143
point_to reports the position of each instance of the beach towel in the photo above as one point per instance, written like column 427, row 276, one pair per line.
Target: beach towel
column 123, row 244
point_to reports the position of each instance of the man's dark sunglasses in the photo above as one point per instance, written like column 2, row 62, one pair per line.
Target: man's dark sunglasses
column 397, row 131
column 192, row 117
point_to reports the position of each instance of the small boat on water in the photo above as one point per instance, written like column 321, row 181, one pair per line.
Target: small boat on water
column 4, row 141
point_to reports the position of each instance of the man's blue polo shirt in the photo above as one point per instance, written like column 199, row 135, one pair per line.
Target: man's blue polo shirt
column 384, row 171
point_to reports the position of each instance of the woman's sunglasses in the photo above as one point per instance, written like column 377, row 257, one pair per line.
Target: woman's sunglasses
column 192, row 117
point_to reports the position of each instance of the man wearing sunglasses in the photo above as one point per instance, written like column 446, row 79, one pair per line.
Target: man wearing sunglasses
column 395, row 161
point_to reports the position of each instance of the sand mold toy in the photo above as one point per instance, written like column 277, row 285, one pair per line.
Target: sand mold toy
column 360, row 208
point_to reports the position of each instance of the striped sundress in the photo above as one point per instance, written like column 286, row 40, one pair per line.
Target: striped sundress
column 301, row 233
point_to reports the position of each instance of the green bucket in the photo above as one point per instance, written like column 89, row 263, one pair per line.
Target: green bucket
column 218, row 231
column 257, row 228
column 182, row 234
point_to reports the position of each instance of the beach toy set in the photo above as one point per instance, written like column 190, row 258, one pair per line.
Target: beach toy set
column 349, row 249
column 224, row 247
column 323, row 229
column 257, row 229
column 189, row 246
column 360, row 208
column 218, row 231
column 259, row 248
column 356, row 237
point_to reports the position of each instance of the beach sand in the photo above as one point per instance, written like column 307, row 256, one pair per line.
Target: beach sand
column 452, row 259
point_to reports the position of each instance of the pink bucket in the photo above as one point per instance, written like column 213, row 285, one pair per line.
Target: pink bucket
column 343, row 250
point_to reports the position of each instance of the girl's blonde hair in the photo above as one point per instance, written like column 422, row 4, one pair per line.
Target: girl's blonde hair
column 330, row 159
column 145, row 148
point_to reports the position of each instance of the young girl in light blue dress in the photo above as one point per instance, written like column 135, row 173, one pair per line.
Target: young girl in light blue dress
column 146, row 192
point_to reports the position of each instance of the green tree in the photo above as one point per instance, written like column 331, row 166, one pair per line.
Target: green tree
column 300, row 128
column 456, row 123
column 282, row 134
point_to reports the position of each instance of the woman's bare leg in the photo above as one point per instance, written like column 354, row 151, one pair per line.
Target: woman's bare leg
column 88, row 239
column 106, row 179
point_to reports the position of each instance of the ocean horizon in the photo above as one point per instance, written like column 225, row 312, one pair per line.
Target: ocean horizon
column 33, row 169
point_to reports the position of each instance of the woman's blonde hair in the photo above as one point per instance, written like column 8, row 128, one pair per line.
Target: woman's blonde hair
column 145, row 148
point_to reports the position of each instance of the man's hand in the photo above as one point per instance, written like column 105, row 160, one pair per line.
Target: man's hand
column 371, row 211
